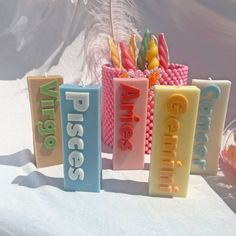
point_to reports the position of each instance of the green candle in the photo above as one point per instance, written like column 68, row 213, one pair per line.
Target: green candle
column 141, row 61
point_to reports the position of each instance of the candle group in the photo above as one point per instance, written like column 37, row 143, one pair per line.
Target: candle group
column 81, row 132
column 188, row 125
column 175, row 113
column 45, row 113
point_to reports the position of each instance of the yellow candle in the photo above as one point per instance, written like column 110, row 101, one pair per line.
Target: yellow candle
column 152, row 55
column 133, row 48
column 115, row 58
column 175, row 114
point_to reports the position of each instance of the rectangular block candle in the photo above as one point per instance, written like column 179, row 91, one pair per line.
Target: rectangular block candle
column 46, row 122
column 210, row 124
column 175, row 114
column 130, row 112
column 81, row 132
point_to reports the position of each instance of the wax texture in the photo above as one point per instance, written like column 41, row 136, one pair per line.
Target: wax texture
column 81, row 132
column 130, row 111
column 175, row 114
column 46, row 121
column 115, row 57
column 212, row 111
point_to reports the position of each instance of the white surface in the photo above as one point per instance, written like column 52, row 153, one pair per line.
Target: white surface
column 33, row 201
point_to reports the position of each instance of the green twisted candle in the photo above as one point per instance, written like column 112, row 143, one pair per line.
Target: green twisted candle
column 141, row 61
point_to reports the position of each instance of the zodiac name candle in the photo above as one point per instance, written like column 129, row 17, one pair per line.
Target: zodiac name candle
column 130, row 112
column 45, row 113
column 175, row 114
column 81, row 132
column 210, row 124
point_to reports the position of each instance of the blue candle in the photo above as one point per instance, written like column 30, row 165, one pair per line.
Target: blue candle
column 81, row 136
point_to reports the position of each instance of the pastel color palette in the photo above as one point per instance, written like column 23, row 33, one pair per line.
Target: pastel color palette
column 130, row 111
column 175, row 114
column 210, row 124
column 81, row 132
column 46, row 121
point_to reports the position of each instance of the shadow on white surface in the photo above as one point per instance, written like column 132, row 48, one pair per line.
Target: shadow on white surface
column 224, row 185
column 125, row 186
column 36, row 179
column 106, row 164
column 18, row 159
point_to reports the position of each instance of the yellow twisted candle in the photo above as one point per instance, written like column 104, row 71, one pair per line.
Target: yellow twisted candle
column 152, row 55
column 115, row 58
column 133, row 48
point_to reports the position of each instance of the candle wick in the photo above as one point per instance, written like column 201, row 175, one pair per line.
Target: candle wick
column 81, row 83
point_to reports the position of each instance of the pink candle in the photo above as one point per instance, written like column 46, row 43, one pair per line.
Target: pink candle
column 126, row 59
column 130, row 111
column 163, row 52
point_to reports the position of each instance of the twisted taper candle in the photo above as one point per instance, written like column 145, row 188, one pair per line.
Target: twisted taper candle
column 115, row 58
column 141, row 61
column 163, row 52
column 152, row 55
column 133, row 47
column 126, row 59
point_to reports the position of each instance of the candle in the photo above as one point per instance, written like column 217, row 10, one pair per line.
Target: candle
column 152, row 55
column 81, row 132
column 115, row 57
column 133, row 48
column 141, row 61
column 210, row 124
column 163, row 52
column 130, row 110
column 126, row 59
column 45, row 113
column 175, row 114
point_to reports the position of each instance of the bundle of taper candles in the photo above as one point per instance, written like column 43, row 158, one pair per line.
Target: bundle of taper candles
column 188, row 123
column 151, row 61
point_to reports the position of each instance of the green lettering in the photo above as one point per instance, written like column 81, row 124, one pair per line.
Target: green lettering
column 50, row 142
column 47, row 127
column 47, row 103
column 49, row 112
column 47, row 89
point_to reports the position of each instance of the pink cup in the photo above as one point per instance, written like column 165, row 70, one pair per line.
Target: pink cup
column 176, row 74
column 108, row 73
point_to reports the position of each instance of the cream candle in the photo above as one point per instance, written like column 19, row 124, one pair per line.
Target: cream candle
column 45, row 113
column 130, row 109
column 81, row 132
column 210, row 124
column 175, row 114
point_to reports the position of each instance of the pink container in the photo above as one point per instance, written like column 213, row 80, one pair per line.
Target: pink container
column 108, row 73
column 176, row 74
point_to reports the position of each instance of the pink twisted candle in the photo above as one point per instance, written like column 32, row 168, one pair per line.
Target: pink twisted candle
column 163, row 52
column 126, row 59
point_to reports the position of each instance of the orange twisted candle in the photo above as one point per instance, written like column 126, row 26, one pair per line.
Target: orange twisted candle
column 133, row 47
column 126, row 59
column 115, row 58
column 152, row 55
column 163, row 52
